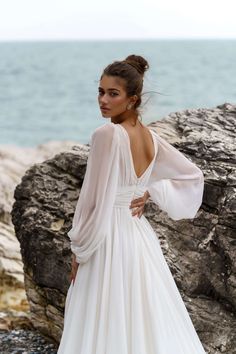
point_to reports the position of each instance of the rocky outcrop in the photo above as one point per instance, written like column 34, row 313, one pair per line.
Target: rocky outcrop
column 200, row 252
column 14, row 161
column 41, row 214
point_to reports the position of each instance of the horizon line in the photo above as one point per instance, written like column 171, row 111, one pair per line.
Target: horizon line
column 110, row 39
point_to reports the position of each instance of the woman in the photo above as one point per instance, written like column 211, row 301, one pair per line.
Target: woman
column 123, row 298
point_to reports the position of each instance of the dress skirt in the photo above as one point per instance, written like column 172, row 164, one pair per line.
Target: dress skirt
column 124, row 299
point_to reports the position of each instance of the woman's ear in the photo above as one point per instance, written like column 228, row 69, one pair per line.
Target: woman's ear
column 134, row 99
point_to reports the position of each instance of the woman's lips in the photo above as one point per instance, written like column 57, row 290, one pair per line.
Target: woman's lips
column 104, row 109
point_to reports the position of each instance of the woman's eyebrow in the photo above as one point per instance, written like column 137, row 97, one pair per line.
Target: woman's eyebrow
column 110, row 89
column 113, row 89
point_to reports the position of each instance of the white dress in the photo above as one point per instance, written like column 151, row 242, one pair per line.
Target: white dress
column 124, row 299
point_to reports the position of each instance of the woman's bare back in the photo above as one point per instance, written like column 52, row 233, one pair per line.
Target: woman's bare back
column 141, row 146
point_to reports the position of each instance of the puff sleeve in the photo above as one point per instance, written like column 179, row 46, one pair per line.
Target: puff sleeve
column 93, row 210
column 176, row 184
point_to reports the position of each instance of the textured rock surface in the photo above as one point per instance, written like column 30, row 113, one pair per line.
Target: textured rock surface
column 45, row 201
column 24, row 341
column 14, row 161
column 201, row 253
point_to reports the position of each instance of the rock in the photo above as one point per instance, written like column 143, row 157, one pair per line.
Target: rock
column 10, row 258
column 14, row 161
column 25, row 341
column 200, row 252
column 10, row 320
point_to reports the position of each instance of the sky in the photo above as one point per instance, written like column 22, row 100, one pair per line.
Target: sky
column 116, row 19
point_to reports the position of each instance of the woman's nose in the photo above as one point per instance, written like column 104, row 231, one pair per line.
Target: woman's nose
column 103, row 98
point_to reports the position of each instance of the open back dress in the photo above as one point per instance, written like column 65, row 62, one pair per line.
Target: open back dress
column 124, row 299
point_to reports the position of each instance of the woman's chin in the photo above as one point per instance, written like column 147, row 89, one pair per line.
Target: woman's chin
column 106, row 114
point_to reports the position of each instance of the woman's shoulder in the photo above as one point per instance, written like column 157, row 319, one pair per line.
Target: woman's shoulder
column 112, row 130
column 154, row 133
column 153, row 129
column 105, row 131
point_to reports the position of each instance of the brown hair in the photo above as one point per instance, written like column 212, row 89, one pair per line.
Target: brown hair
column 132, row 70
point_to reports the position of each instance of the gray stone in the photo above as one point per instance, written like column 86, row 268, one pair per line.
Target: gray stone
column 14, row 161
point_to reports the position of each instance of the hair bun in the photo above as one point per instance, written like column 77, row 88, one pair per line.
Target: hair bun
column 138, row 62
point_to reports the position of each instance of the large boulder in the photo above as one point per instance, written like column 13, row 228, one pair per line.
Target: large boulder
column 14, row 161
column 201, row 253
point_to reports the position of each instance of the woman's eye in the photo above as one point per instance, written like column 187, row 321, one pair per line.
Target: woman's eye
column 100, row 93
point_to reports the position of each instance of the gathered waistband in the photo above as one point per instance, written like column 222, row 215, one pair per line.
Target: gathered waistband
column 126, row 194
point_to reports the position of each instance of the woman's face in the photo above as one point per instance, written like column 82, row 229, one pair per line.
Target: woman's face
column 112, row 95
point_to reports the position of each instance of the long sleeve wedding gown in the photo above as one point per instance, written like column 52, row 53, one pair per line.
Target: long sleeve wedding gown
column 124, row 299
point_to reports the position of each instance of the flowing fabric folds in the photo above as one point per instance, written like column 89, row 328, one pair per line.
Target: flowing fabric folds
column 176, row 184
column 93, row 211
column 124, row 299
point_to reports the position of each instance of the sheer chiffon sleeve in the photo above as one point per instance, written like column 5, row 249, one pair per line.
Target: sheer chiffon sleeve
column 176, row 184
column 92, row 215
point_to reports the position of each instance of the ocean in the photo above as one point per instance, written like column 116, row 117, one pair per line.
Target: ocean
column 48, row 90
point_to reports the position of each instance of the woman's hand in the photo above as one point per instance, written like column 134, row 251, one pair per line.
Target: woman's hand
column 138, row 204
column 74, row 268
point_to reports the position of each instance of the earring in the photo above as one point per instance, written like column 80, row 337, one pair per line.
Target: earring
column 129, row 106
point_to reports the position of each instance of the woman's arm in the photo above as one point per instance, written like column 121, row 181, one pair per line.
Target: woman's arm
column 176, row 184
column 74, row 268
column 93, row 211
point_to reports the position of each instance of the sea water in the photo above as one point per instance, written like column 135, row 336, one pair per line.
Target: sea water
column 48, row 90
